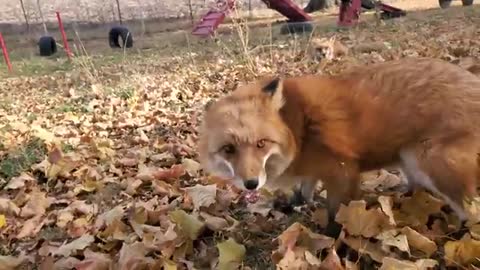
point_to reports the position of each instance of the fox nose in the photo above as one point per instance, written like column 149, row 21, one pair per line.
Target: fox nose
column 251, row 184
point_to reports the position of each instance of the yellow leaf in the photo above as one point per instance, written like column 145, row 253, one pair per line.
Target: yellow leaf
column 463, row 252
column 231, row 254
column 169, row 265
column 3, row 221
column 190, row 225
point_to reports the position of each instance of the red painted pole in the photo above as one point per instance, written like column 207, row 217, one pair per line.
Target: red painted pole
column 64, row 36
column 5, row 53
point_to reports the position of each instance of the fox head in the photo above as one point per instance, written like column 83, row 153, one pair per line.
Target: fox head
column 243, row 136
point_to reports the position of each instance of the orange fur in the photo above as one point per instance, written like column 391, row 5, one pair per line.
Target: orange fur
column 421, row 113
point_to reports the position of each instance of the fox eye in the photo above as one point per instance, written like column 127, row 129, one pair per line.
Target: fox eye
column 228, row 149
column 261, row 143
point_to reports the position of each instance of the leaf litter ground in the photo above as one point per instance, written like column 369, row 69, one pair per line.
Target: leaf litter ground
column 98, row 169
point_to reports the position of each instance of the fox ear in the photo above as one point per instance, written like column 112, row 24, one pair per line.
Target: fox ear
column 274, row 89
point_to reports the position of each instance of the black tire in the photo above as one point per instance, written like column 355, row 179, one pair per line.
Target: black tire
column 368, row 4
column 120, row 32
column 444, row 3
column 47, row 46
column 467, row 2
column 296, row 27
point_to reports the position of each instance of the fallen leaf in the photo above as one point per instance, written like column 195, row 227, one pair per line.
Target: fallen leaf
column 81, row 243
column 132, row 257
column 31, row 227
column 11, row 262
column 3, row 221
column 8, row 207
column 94, row 261
column 36, row 205
column 202, row 196
column 214, row 223
column 191, row 166
column 463, row 251
column 415, row 210
column 393, row 238
column 19, row 181
column 299, row 235
column 364, row 246
column 359, row 221
column 332, row 261
column 231, row 254
column 419, row 242
column 395, row 264
column 189, row 225
column 386, row 204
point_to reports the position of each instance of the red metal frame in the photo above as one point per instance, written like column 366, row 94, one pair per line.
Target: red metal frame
column 288, row 9
column 64, row 36
column 5, row 53
column 213, row 18
column 349, row 12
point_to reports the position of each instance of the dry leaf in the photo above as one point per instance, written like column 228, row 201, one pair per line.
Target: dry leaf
column 202, row 196
column 231, row 254
column 189, row 225
column 78, row 244
column 419, row 242
column 463, row 251
column 359, row 221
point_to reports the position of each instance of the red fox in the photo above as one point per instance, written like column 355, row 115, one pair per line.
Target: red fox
column 421, row 113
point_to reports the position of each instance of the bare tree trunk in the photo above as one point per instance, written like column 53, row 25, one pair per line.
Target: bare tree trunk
column 41, row 16
column 119, row 12
column 314, row 5
column 250, row 8
column 190, row 9
column 25, row 16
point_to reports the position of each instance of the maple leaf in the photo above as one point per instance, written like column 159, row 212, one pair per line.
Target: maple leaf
column 78, row 244
column 299, row 235
column 94, row 261
column 394, row 264
column 19, row 181
column 419, row 242
column 463, row 251
column 190, row 226
column 359, row 221
column 36, row 205
column 231, row 254
column 415, row 210
column 3, row 221
column 132, row 257
column 31, row 227
column 8, row 207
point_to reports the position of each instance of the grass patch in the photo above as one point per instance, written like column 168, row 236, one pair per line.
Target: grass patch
column 22, row 159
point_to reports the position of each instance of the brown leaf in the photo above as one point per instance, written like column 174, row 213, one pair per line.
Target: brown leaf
column 19, row 181
column 94, row 261
column 415, row 211
column 189, row 225
column 8, row 207
column 231, row 254
column 132, row 257
column 191, row 166
column 359, row 221
column 463, row 251
column 393, row 238
column 128, row 162
column 394, row 264
column 364, row 246
column 170, row 174
column 55, row 155
column 202, row 196
column 332, row 261
column 419, row 242
column 214, row 223
column 11, row 262
column 36, row 205
column 78, row 244
column 31, row 227
column 299, row 235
